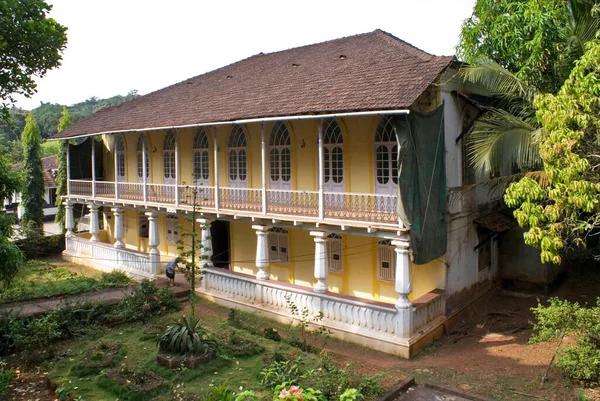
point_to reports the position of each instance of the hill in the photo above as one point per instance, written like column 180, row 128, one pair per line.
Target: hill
column 48, row 114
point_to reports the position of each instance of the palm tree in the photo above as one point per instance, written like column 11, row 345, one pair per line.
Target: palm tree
column 506, row 134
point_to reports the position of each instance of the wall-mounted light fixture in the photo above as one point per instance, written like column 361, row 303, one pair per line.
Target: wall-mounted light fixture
column 302, row 144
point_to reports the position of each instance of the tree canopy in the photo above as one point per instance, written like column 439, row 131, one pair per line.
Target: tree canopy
column 61, row 176
column 30, row 45
column 33, row 187
column 565, row 211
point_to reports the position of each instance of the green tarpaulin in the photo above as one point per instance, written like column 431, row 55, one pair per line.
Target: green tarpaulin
column 422, row 182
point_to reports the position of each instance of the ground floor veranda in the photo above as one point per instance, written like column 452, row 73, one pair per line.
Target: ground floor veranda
column 365, row 285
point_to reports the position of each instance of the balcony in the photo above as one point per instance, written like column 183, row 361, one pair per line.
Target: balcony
column 359, row 208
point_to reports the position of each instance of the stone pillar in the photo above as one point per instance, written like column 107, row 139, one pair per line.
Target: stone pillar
column 94, row 222
column 69, row 219
column 262, row 251
column 403, row 286
column 207, row 251
column 321, row 261
column 119, row 227
column 153, row 242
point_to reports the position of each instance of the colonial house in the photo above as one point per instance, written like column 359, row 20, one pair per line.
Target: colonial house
column 328, row 174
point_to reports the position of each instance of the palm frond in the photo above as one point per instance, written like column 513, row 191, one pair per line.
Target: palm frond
column 499, row 140
column 491, row 79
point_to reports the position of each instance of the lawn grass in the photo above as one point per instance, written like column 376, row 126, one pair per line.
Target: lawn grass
column 40, row 278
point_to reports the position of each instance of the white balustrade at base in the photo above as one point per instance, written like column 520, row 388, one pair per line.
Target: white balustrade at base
column 345, row 314
column 107, row 257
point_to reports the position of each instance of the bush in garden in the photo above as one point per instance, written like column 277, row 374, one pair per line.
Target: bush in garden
column 283, row 392
column 114, row 279
column 187, row 337
column 287, row 370
column 562, row 318
column 145, row 301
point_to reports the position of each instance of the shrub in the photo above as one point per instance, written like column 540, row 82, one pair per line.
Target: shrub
column 6, row 375
column 334, row 381
column 114, row 279
column 561, row 318
column 282, row 371
column 145, row 301
column 186, row 336
column 295, row 393
column 36, row 246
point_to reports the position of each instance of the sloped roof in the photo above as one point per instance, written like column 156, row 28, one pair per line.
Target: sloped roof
column 49, row 169
column 371, row 71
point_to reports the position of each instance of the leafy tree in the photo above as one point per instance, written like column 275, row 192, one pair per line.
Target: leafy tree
column 565, row 211
column 9, row 180
column 33, row 188
column 32, row 44
column 61, row 177
column 517, row 49
column 11, row 257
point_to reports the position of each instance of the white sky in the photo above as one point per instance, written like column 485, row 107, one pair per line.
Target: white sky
column 115, row 46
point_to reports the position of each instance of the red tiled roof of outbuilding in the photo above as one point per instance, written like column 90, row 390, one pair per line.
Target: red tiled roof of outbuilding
column 371, row 71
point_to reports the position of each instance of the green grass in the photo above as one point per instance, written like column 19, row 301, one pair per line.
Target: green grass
column 48, row 278
column 139, row 352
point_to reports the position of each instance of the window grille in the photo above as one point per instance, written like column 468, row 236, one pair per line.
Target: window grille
column 386, row 261
column 278, row 240
column 334, row 253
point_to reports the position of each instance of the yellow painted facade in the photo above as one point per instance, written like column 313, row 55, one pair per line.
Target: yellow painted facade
column 359, row 277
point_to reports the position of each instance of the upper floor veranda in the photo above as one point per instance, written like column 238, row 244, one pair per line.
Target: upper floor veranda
column 337, row 170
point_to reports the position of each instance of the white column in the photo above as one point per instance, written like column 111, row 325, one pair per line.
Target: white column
column 69, row 219
column 119, row 227
column 153, row 242
column 207, row 251
column 263, row 162
column 144, row 172
column 321, row 261
column 216, row 161
column 94, row 222
column 69, row 168
column 262, row 251
column 93, row 167
column 321, row 172
column 403, row 286
column 176, row 168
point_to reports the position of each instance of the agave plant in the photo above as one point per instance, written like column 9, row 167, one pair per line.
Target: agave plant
column 186, row 336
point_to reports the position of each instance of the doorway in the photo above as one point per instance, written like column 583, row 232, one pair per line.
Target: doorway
column 219, row 231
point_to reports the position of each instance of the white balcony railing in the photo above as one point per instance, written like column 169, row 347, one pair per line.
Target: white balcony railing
column 369, row 208
column 339, row 312
column 110, row 257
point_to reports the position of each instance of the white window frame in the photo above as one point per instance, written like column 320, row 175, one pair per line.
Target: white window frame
column 386, row 256
column 279, row 245
column 335, row 253
column 143, row 158
column 169, row 168
column 280, row 157
column 120, row 157
column 201, row 159
column 237, row 157
column 172, row 223
column 385, row 139
column 333, row 142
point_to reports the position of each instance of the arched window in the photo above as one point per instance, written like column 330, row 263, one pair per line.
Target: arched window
column 333, row 156
column 238, row 160
column 143, row 158
column 386, row 157
column 280, row 157
column 201, row 161
column 334, row 253
column 278, row 245
column 386, row 261
column 120, row 158
column 169, row 158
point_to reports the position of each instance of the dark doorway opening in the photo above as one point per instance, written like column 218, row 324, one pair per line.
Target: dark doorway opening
column 219, row 231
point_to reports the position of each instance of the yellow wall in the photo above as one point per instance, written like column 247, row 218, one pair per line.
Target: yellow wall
column 358, row 151
column 359, row 260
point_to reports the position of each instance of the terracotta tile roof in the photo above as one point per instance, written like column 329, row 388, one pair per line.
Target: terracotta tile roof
column 49, row 168
column 371, row 71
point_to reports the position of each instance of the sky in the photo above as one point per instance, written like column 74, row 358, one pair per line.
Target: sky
column 115, row 46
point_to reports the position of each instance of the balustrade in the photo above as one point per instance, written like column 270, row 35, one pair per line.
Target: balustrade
column 373, row 208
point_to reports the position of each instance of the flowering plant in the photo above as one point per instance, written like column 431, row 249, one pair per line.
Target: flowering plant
column 295, row 393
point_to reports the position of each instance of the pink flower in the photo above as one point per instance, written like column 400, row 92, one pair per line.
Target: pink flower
column 156, row 298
